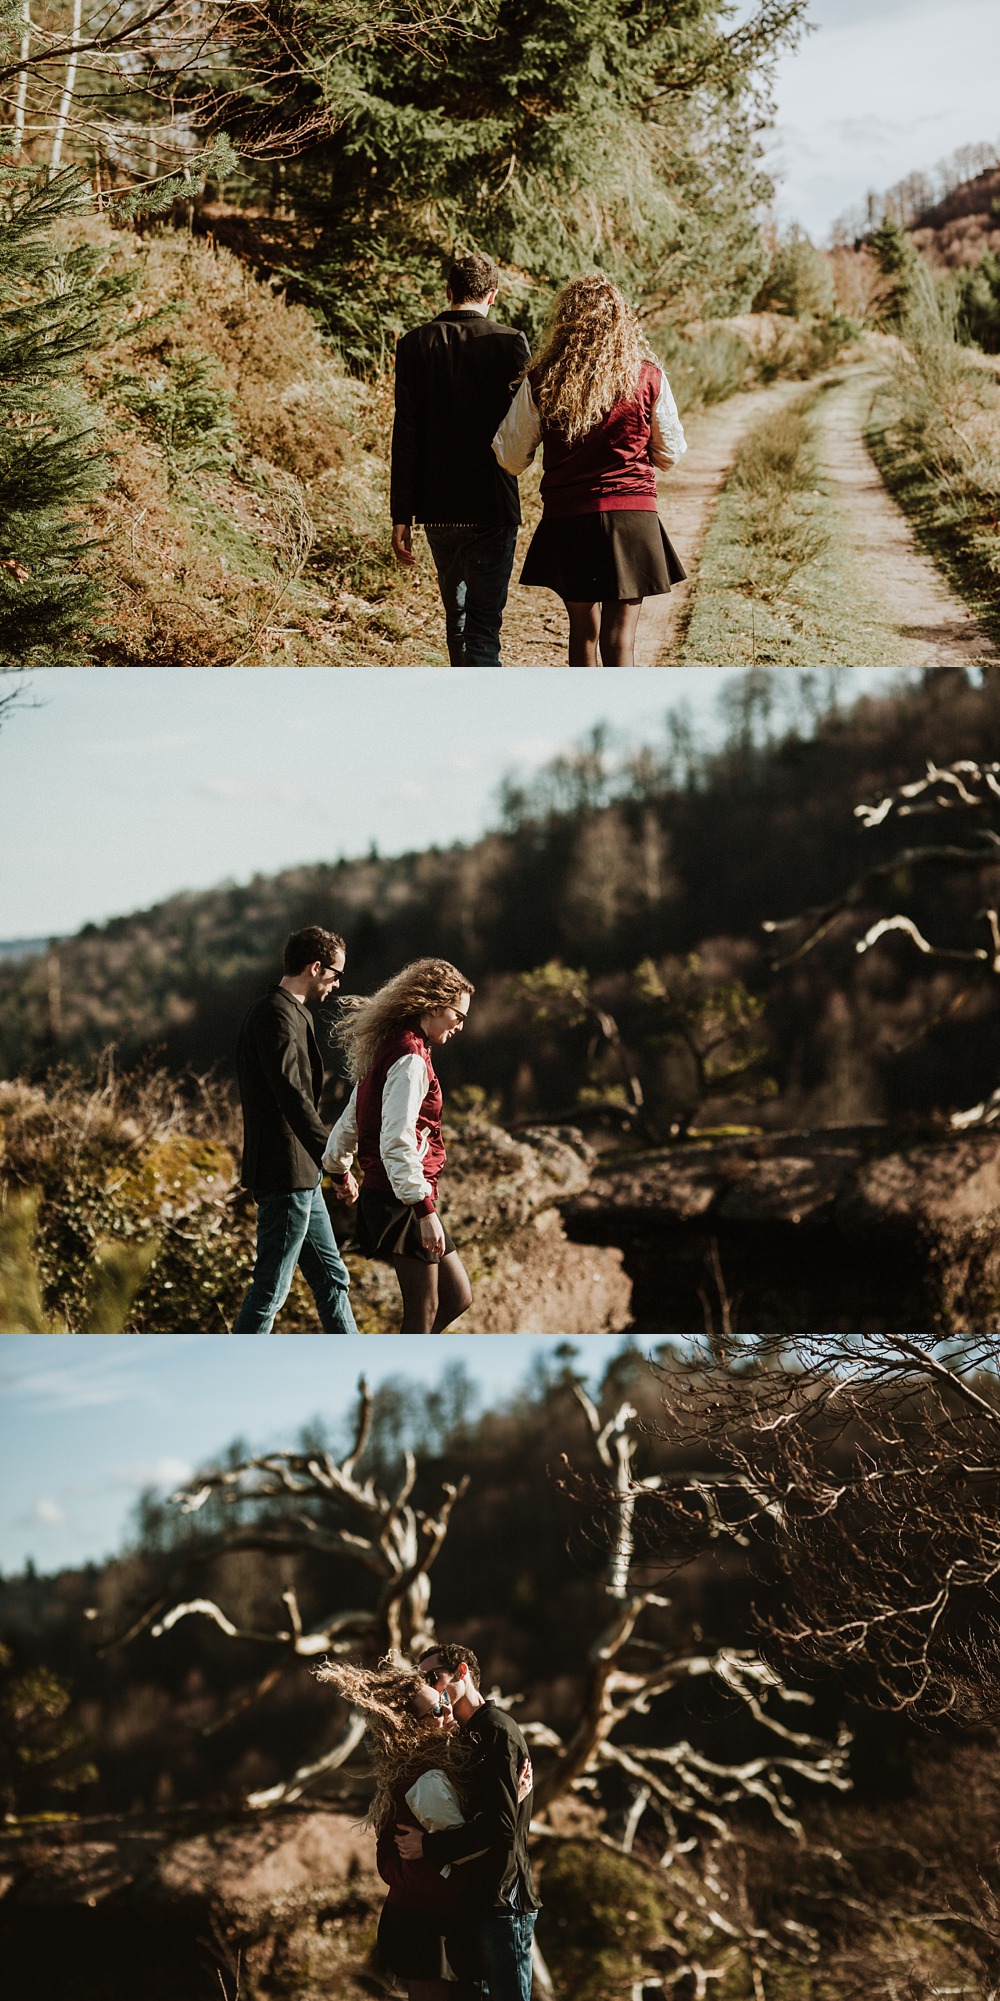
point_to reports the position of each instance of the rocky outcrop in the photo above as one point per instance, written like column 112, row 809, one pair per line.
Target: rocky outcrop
column 501, row 1198
column 857, row 1229
column 167, row 1908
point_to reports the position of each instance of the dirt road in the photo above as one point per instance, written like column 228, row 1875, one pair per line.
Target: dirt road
column 930, row 626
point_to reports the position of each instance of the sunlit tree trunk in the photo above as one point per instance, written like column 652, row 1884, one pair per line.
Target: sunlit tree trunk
column 20, row 101
column 67, row 96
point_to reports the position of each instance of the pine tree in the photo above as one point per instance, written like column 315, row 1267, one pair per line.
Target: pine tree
column 562, row 136
column 55, row 304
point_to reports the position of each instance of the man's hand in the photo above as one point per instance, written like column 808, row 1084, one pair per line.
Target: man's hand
column 346, row 1190
column 409, row 1841
column 432, row 1235
column 402, row 544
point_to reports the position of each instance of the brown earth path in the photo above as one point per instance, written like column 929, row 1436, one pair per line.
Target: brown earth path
column 929, row 625
column 924, row 622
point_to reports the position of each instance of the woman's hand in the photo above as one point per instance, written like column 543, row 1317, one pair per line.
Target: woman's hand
column 525, row 1781
column 345, row 1190
column 432, row 1235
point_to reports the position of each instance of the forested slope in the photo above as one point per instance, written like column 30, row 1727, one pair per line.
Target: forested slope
column 607, row 861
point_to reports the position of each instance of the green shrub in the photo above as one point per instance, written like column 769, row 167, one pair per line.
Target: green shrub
column 186, row 410
column 602, row 1916
column 799, row 281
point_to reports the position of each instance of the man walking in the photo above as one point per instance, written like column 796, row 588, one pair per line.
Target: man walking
column 454, row 381
column 281, row 1074
column 499, row 1904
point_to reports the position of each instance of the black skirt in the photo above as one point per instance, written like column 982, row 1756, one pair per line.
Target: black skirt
column 388, row 1229
column 410, row 1944
column 595, row 558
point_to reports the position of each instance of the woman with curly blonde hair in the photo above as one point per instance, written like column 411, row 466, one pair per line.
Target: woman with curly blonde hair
column 392, row 1126
column 418, row 1760
column 598, row 402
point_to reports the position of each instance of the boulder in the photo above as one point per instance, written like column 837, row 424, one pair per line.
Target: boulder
column 849, row 1230
column 190, row 1905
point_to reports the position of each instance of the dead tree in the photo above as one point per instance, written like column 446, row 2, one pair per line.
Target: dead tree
column 966, row 788
column 675, row 1785
column 870, row 1468
column 862, row 1476
column 326, row 1509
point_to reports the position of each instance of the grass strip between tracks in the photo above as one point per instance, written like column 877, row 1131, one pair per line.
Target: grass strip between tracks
column 777, row 586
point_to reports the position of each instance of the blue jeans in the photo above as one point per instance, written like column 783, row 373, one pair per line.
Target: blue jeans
column 504, row 1946
column 293, row 1227
column 473, row 570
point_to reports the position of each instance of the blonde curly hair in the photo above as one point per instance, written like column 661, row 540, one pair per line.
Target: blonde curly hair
column 591, row 350
column 402, row 1745
column 365, row 1024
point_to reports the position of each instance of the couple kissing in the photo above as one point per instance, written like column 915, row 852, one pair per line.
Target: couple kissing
column 452, row 1810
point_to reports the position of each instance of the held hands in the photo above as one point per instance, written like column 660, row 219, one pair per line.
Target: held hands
column 409, row 1841
column 346, row 1190
column 432, row 1235
column 402, row 544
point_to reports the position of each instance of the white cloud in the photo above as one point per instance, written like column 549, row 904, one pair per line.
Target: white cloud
column 44, row 1514
column 166, row 1472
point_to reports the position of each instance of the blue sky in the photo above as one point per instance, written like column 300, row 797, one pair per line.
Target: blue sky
column 120, row 786
column 882, row 87
column 87, row 1422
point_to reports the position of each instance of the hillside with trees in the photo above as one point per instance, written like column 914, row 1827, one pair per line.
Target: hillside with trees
column 608, row 862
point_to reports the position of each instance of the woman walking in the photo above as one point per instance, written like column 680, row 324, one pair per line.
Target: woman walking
column 392, row 1124
column 597, row 400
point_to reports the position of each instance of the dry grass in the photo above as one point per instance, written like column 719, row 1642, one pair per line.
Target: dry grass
column 935, row 436
column 271, row 545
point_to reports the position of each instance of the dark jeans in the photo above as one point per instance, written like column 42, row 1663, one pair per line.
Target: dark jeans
column 504, row 1948
column 293, row 1227
column 473, row 569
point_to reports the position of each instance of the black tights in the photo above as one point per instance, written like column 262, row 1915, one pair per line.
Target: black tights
column 611, row 626
column 434, row 1295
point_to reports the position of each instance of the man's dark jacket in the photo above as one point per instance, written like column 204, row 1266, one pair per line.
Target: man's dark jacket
column 496, row 1821
column 281, row 1074
column 453, row 390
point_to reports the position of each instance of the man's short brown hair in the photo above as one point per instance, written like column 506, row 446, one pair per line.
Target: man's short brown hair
column 451, row 1656
column 304, row 948
column 472, row 277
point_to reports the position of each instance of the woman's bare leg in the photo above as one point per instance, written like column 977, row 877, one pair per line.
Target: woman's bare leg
column 454, row 1292
column 584, row 627
column 619, row 618
column 418, row 1283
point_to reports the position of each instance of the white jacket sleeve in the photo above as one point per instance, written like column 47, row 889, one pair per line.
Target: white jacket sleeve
column 342, row 1145
column 433, row 1801
column 403, row 1093
column 520, row 434
column 668, row 443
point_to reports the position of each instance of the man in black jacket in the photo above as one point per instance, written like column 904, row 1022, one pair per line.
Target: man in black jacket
column 499, row 1903
column 281, row 1075
column 454, row 380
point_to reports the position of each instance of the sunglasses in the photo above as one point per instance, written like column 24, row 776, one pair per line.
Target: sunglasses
column 442, row 1707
